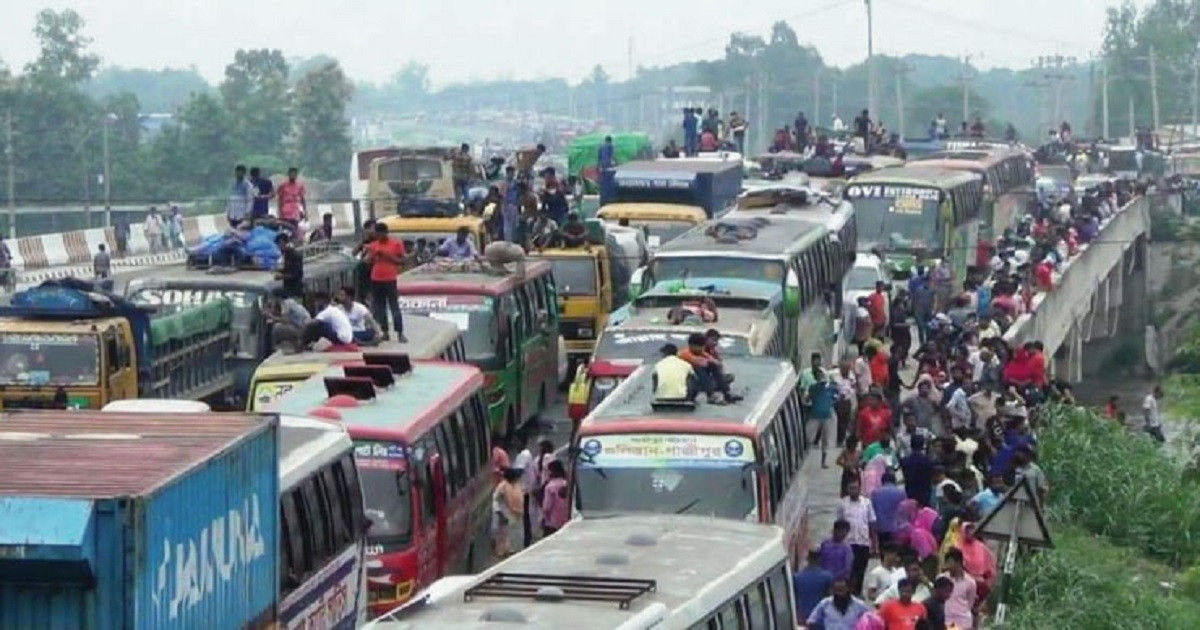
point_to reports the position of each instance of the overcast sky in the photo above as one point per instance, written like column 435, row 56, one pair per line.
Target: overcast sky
column 467, row 39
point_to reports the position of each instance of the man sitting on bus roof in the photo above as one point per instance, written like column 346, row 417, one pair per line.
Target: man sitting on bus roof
column 460, row 247
column 331, row 323
column 674, row 379
column 573, row 232
column 365, row 329
column 288, row 319
column 710, row 373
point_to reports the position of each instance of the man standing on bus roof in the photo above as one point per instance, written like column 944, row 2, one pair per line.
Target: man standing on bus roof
column 385, row 255
column 606, row 156
column 291, row 197
column 241, row 197
column 462, row 167
column 264, row 190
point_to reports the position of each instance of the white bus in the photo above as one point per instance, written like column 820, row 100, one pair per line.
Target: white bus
column 360, row 168
column 630, row 572
column 323, row 528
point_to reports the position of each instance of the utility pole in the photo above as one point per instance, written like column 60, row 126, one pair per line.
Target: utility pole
column 108, row 120
column 1132, row 119
column 901, row 70
column 816, row 117
column 1104, row 100
column 12, row 174
column 1154, row 89
column 746, row 115
column 1195, row 95
column 1052, row 67
column 965, row 78
column 762, row 110
column 872, row 102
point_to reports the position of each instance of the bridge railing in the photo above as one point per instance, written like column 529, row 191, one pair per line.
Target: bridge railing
column 1053, row 312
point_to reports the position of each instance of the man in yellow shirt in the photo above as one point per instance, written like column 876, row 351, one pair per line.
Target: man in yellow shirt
column 674, row 378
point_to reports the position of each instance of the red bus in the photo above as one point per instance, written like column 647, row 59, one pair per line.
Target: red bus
column 740, row 461
column 423, row 448
column 509, row 324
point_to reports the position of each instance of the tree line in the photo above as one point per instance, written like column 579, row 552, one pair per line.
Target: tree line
column 261, row 114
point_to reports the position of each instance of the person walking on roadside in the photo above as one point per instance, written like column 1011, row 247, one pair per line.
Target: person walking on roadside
column 175, row 228
column 858, row 512
column 556, row 509
column 1150, row 413
column 508, row 509
column 836, row 555
column 152, row 227
column 818, row 392
column 960, row 605
column 840, row 611
column 810, row 585
column 385, row 256
column 102, row 263
column 903, row 613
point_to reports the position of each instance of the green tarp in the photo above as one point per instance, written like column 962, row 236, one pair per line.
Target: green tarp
column 627, row 147
column 191, row 321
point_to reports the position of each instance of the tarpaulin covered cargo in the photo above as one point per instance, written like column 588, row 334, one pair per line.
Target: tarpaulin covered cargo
column 112, row 521
column 583, row 153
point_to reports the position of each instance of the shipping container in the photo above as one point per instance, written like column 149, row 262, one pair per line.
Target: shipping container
column 111, row 521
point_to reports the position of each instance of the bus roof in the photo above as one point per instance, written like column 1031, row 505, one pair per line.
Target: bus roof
column 180, row 276
column 769, row 237
column 646, row 168
column 427, row 337
column 305, row 445
column 762, row 382
column 409, row 407
column 970, row 157
column 463, row 278
column 799, row 202
column 916, row 174
column 737, row 322
column 10, row 324
column 656, row 552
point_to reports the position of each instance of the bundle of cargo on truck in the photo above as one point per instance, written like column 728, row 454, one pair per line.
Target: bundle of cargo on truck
column 138, row 521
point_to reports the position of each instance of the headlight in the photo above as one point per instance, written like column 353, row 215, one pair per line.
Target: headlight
column 606, row 383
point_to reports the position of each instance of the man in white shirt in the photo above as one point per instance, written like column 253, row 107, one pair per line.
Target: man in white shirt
column 1151, row 415
column 858, row 511
column 883, row 576
column 838, row 125
column 362, row 323
column 524, row 462
column 331, row 323
column 674, row 378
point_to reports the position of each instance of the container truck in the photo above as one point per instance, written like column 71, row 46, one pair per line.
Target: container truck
column 111, row 521
column 66, row 345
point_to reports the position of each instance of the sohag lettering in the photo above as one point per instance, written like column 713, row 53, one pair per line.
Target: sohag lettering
column 192, row 569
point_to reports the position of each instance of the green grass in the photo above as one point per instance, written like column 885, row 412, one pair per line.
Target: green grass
column 1087, row 583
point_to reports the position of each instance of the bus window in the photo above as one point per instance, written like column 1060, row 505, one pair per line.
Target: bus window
column 318, row 517
column 339, row 517
column 295, row 543
column 441, row 432
column 477, row 419
column 728, row 617
column 758, row 611
column 779, row 585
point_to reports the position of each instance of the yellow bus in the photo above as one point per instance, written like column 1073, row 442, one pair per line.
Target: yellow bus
column 661, row 222
column 428, row 338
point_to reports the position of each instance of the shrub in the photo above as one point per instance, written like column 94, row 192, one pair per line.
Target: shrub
column 1113, row 483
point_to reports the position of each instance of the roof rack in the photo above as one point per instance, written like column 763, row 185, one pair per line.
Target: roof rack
column 480, row 266
column 562, row 587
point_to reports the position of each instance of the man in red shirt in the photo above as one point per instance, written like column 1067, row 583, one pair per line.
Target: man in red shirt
column 291, row 197
column 874, row 417
column 877, row 305
column 903, row 613
column 880, row 370
column 385, row 255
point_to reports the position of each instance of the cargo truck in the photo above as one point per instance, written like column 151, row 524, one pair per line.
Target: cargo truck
column 65, row 345
column 139, row 521
column 712, row 185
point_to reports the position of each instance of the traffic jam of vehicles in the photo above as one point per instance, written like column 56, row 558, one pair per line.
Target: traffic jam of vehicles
column 505, row 376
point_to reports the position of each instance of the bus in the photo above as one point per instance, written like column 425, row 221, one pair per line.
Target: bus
column 624, row 572
column 428, row 338
column 786, row 264
column 509, row 319
column 802, row 202
column 423, row 449
column 660, row 222
column 324, row 272
column 360, row 169
column 323, row 525
column 740, row 461
column 1008, row 176
column 921, row 212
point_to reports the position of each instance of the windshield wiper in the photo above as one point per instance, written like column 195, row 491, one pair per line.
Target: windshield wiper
column 688, row 506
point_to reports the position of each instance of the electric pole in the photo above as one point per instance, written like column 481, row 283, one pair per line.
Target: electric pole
column 816, row 116
column 762, row 109
column 1154, row 89
column 1195, row 95
column 108, row 120
column 12, row 174
column 1053, row 71
column 901, row 70
column 872, row 103
column 1104, row 99
column 965, row 78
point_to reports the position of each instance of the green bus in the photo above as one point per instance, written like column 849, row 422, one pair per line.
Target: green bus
column 918, row 212
column 790, row 266
column 509, row 324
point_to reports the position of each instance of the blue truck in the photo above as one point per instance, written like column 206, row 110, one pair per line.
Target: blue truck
column 711, row 184
column 111, row 521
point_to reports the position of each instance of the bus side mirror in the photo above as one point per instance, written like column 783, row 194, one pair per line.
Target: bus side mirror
column 637, row 281
column 791, row 294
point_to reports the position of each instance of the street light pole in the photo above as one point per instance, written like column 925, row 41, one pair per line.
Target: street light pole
column 872, row 105
column 108, row 119
column 12, row 175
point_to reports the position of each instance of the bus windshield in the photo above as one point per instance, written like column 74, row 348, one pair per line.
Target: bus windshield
column 658, row 232
column 475, row 316
column 1124, row 160
column 49, row 359
column 667, row 473
column 575, row 275
column 902, row 222
column 387, row 491
column 646, row 344
column 684, row 267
